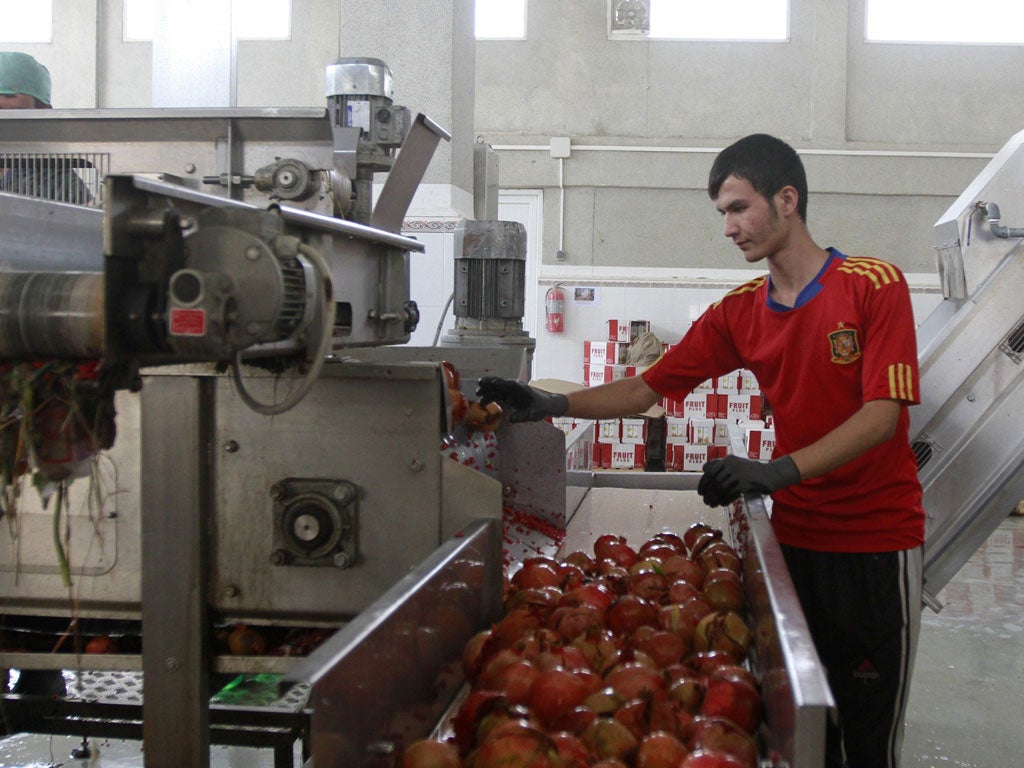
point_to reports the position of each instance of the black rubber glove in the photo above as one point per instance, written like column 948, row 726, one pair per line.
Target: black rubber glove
column 725, row 480
column 520, row 401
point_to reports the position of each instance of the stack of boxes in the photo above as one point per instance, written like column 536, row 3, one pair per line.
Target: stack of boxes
column 697, row 428
column 692, row 431
column 605, row 360
column 632, row 443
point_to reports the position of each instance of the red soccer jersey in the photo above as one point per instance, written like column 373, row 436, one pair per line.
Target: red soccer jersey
column 853, row 341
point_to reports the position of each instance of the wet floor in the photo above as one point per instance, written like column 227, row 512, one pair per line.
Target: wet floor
column 968, row 685
column 965, row 701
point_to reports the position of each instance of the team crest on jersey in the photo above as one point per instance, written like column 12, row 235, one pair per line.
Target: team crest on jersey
column 845, row 346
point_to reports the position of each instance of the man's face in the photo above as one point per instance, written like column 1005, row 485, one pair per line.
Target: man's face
column 17, row 101
column 751, row 220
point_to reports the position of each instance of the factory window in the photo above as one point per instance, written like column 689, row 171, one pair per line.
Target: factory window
column 251, row 20
column 26, row 22
column 987, row 22
column 500, row 19
column 753, row 20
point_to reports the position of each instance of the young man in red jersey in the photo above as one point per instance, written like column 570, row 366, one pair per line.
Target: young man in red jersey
column 831, row 341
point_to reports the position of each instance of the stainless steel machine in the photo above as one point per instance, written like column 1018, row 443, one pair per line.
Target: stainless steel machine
column 966, row 432
column 222, row 271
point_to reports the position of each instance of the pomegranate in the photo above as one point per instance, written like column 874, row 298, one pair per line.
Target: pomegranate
column 517, row 747
column 604, row 544
column 604, row 701
column 543, row 600
column 607, row 737
column 245, row 641
column 635, row 715
column 660, row 750
column 469, row 714
column 571, row 751
column 101, row 644
column 556, row 692
column 662, row 646
column 657, row 550
column 514, row 680
column 703, row 663
column 629, row 612
column 633, row 680
column 515, row 625
column 723, row 631
column 427, row 753
column 649, row 584
column 710, row 759
column 472, row 653
column 537, row 573
column 582, row 560
column 482, row 418
column 682, row 567
column 674, row 540
column 718, row 554
column 695, row 531
column 688, row 692
column 723, row 590
column 575, row 721
column 734, row 699
column 721, row 735
column 679, row 621
column 572, row 621
column 595, row 593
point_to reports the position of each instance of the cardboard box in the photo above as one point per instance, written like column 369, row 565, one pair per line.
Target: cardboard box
column 623, row 330
column 748, row 383
column 565, row 423
column 760, row 443
column 594, row 375
column 604, row 352
column 721, row 432
column 700, row 406
column 675, row 429
column 618, row 330
column 686, row 457
column 608, row 431
column 739, row 407
column 700, row 431
column 633, row 431
column 729, row 384
column 622, row 455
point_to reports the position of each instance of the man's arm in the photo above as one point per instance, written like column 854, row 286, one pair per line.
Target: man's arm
column 872, row 425
column 622, row 397
column 522, row 402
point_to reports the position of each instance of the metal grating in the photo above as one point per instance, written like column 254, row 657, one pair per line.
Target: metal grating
column 1013, row 344
column 923, row 452
column 126, row 687
column 75, row 178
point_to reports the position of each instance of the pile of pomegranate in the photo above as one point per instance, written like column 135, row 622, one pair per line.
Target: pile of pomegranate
column 627, row 658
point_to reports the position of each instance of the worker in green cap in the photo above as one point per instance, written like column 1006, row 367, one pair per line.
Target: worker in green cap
column 25, row 84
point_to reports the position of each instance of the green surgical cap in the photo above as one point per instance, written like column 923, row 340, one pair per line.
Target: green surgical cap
column 20, row 73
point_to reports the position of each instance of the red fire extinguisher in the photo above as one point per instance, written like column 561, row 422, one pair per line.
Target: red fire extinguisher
column 554, row 309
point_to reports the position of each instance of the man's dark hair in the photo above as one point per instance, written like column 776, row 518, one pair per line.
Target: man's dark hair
column 768, row 163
